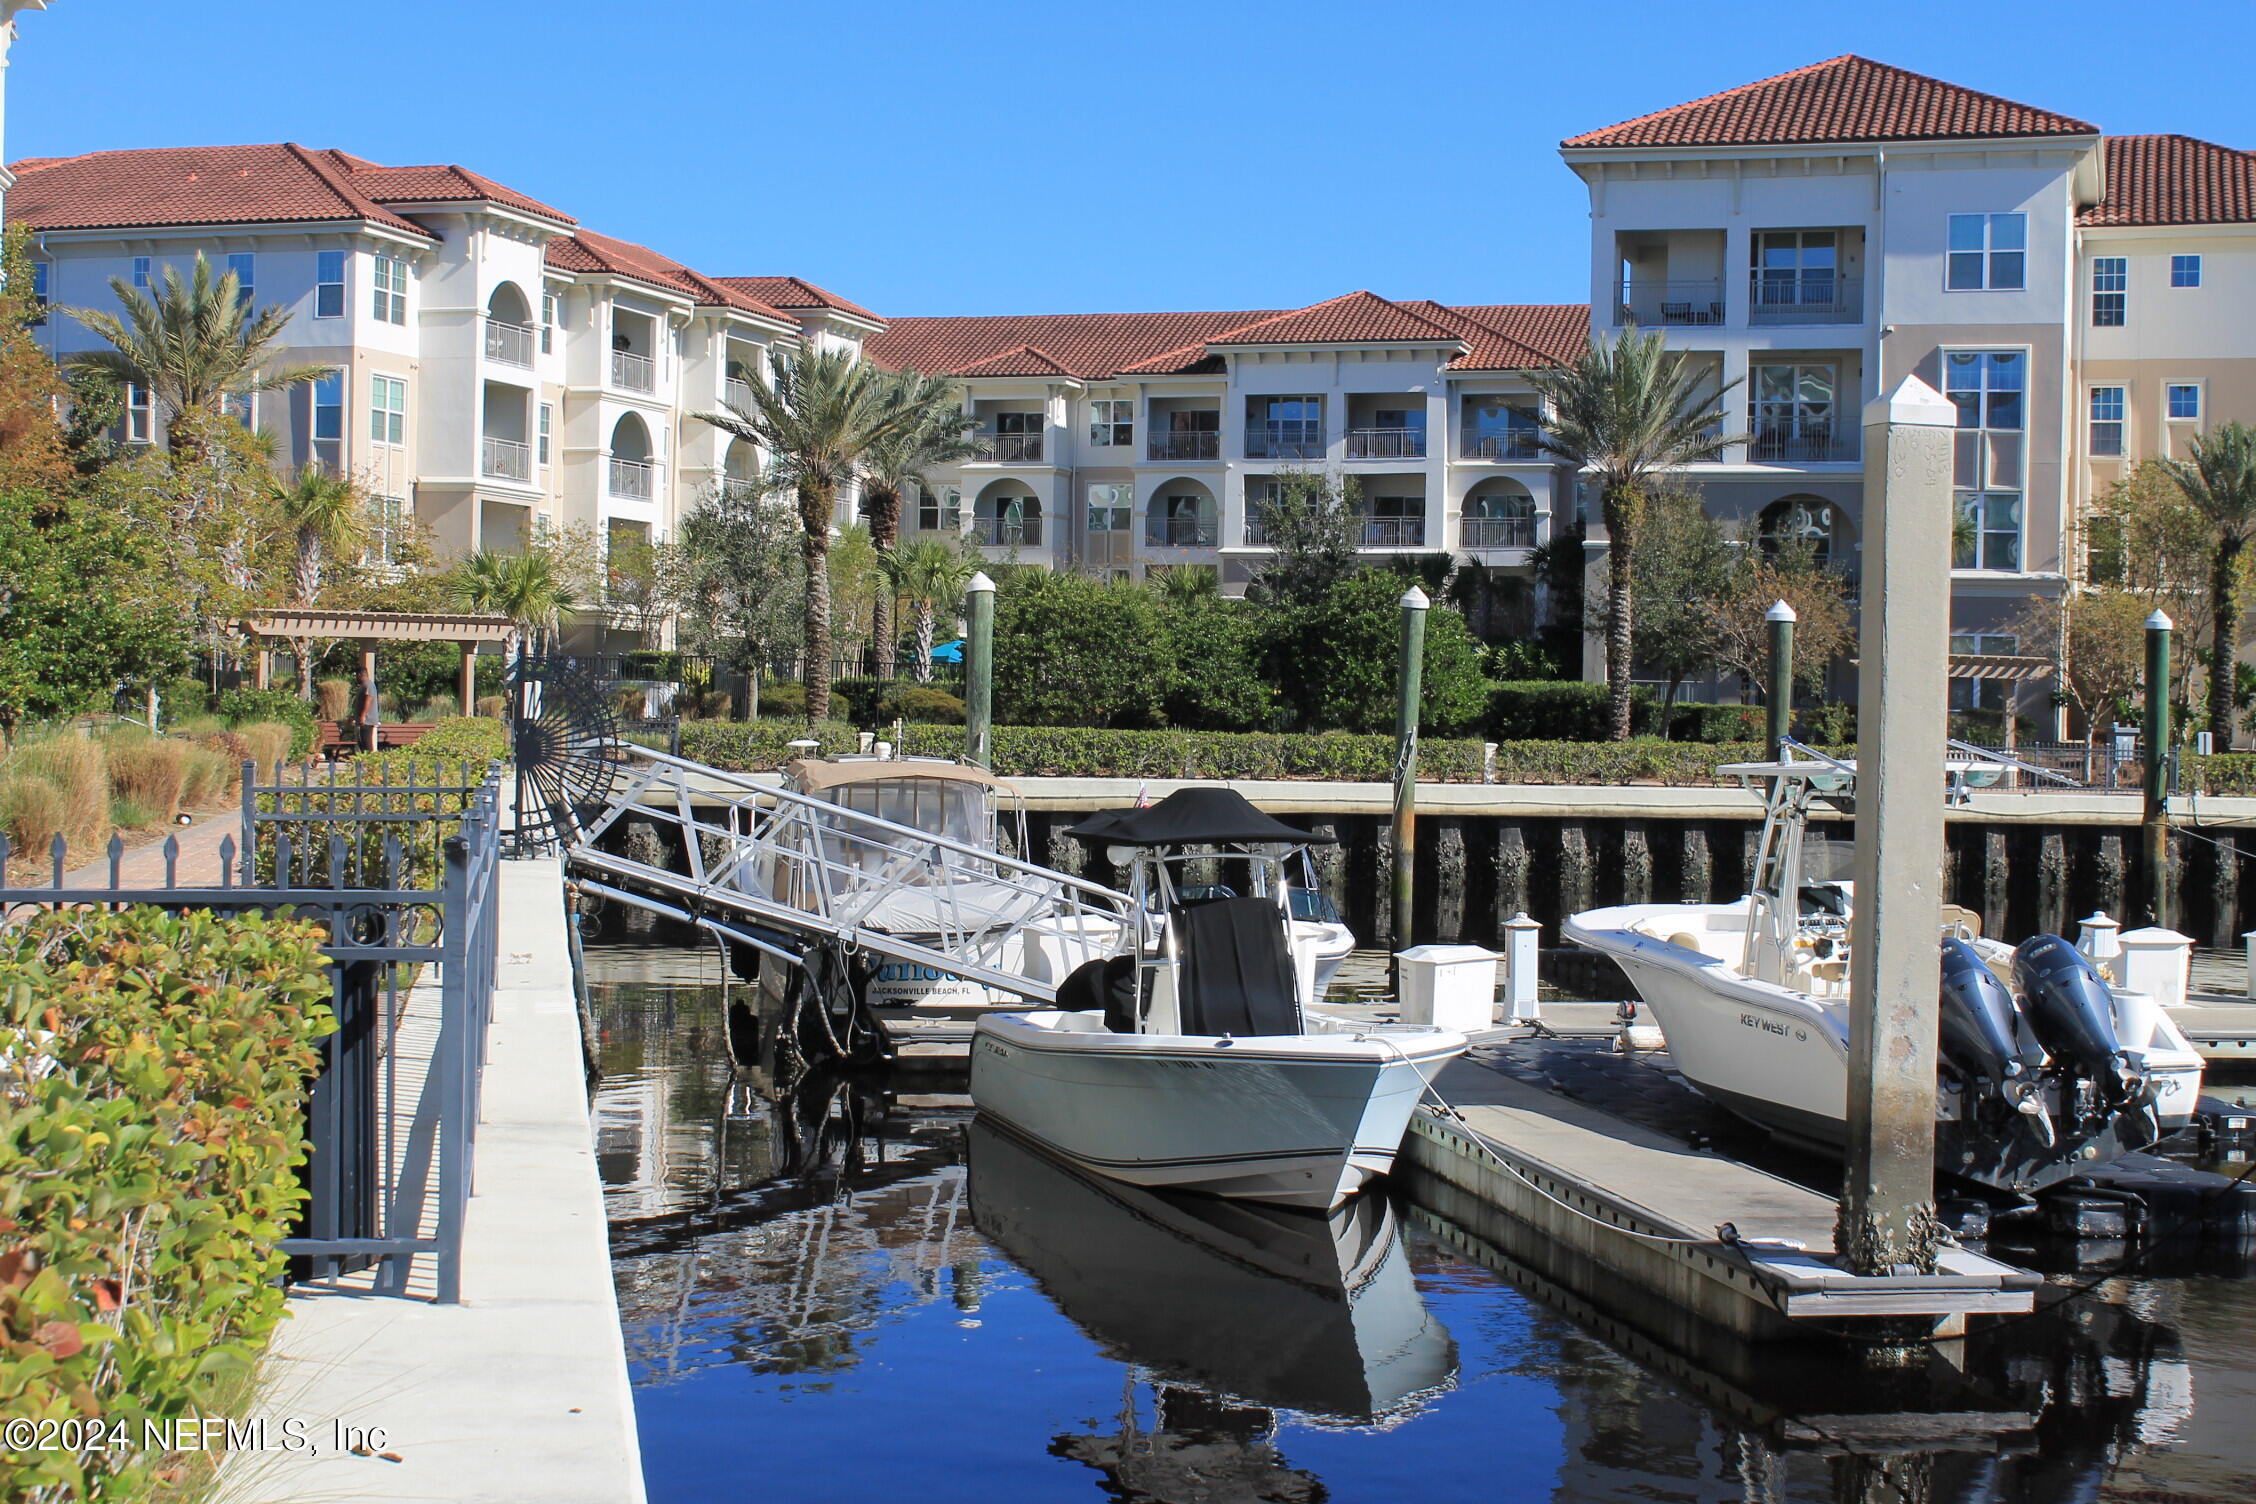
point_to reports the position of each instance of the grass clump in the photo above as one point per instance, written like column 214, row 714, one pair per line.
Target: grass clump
column 149, row 772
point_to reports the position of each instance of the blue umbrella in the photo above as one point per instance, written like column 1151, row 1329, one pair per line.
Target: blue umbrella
column 949, row 652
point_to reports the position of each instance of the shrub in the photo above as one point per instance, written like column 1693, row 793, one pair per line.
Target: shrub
column 1518, row 661
column 921, row 702
column 1831, row 725
column 75, row 766
column 131, row 814
column 1082, row 752
column 1547, row 710
column 860, row 701
column 437, row 708
column 495, row 706
column 226, row 743
column 1219, row 683
column 1642, row 760
column 470, row 738
column 183, row 697
column 148, row 771
column 1335, row 661
column 209, row 776
column 759, row 746
column 784, row 701
column 244, row 707
column 32, row 812
column 333, row 699
column 268, row 743
column 1071, row 650
column 2222, row 774
column 1716, row 723
column 153, row 1072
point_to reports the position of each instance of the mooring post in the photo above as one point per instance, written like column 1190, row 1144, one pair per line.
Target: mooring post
column 2154, row 830
column 1887, row 1218
column 979, row 672
column 1779, row 711
column 1409, row 673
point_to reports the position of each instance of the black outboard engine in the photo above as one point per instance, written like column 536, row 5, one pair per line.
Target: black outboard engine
column 2074, row 1019
column 1978, row 1040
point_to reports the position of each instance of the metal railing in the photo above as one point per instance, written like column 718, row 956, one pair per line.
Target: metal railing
column 401, row 875
column 1009, row 448
column 633, row 479
column 1799, row 443
column 511, row 344
column 1001, row 532
column 1181, row 532
column 737, row 488
column 2107, row 766
column 1804, row 297
column 1186, row 446
column 738, row 394
column 1394, row 532
column 1284, row 441
column 1386, row 443
column 1698, row 301
column 632, row 372
column 505, row 459
column 1497, row 532
column 1516, row 444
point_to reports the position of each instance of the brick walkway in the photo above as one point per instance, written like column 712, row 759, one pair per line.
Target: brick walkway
column 143, row 865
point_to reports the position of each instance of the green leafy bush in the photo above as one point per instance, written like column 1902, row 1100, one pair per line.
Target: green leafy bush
column 860, row 701
column 1714, row 723
column 2221, row 774
column 1641, row 760
column 474, row 739
column 1071, row 650
column 784, row 702
column 1083, row 752
column 760, row 746
column 1335, row 662
column 153, row 1072
column 921, row 702
column 247, row 707
column 1564, row 710
column 1219, row 683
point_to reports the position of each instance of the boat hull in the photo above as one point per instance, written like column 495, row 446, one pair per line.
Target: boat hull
column 1296, row 1120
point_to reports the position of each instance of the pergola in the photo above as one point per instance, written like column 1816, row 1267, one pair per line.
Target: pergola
column 2011, row 670
column 371, row 627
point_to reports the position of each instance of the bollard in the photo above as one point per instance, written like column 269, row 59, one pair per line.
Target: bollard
column 2097, row 938
column 1409, row 672
column 1778, row 711
column 1521, row 935
column 2154, row 829
column 979, row 672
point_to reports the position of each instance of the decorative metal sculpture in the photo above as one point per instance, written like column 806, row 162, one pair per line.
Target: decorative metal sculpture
column 565, row 742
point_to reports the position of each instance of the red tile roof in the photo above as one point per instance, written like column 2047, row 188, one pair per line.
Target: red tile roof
column 279, row 183
column 1088, row 345
column 794, row 293
column 2175, row 180
column 439, row 184
column 1026, row 360
column 587, row 251
column 1355, row 318
column 1533, row 335
column 1847, row 98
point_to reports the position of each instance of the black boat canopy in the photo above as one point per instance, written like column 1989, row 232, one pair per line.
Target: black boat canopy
column 1193, row 817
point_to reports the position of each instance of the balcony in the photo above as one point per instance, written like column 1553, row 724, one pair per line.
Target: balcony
column 1780, row 442
column 1186, row 446
column 1008, row 448
column 1394, row 532
column 1497, row 532
column 738, row 488
column 633, row 373
column 1518, row 444
column 738, row 394
column 1658, row 304
column 505, row 459
column 510, row 344
column 1002, row 532
column 1386, row 443
column 1776, row 298
column 1181, row 532
column 1284, row 441
column 633, row 480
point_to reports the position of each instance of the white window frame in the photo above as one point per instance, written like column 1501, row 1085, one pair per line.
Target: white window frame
column 940, row 510
column 1118, row 503
column 321, row 284
column 144, row 269
column 2185, row 269
column 552, row 310
column 243, row 408
column 386, row 529
column 1110, row 423
column 140, row 415
column 2107, row 429
column 2111, row 291
column 334, row 459
column 390, row 302
column 1987, row 254
column 244, row 264
column 1981, row 488
column 387, row 410
column 2200, row 401
column 545, row 429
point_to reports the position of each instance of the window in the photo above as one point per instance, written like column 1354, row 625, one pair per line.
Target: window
column 1112, row 422
column 1795, row 266
column 140, row 415
column 244, row 267
column 242, row 407
column 1988, row 387
column 1286, row 428
column 329, row 284
column 39, row 292
column 2182, row 402
column 391, row 290
column 1110, row 508
column 2185, row 271
column 2106, row 420
column 387, row 410
column 1496, row 430
column 940, row 511
column 1791, row 413
column 140, row 271
column 1181, row 521
column 551, row 312
column 1394, row 522
column 329, row 421
column 1987, row 251
column 387, row 529
column 2111, row 276
column 547, row 418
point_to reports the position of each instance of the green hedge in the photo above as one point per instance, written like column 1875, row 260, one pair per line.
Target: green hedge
column 460, row 747
column 761, row 746
column 1548, row 710
column 245, row 707
column 1714, row 723
column 153, row 1072
column 2221, row 774
column 1643, row 760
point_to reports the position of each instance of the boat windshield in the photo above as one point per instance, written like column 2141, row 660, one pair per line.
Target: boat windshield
column 944, row 807
column 1827, row 858
column 1315, row 906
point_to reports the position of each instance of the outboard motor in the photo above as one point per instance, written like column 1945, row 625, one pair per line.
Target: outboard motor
column 2073, row 1018
column 1977, row 1036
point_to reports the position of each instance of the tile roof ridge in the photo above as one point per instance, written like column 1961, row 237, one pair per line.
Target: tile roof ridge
column 1688, row 104
column 1537, row 356
column 1227, row 336
column 340, row 185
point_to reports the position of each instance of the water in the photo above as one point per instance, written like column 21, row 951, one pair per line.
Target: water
column 852, row 1292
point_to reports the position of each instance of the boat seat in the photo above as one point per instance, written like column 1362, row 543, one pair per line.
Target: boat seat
column 1106, row 985
column 1237, row 969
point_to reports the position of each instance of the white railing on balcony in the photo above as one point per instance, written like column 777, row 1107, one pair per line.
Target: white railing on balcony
column 1669, row 302
column 1284, row 441
column 1775, row 440
column 632, row 372
column 505, row 459
column 1386, row 443
column 1802, row 296
column 1514, row 444
column 511, row 344
column 1181, row 532
column 1186, row 446
column 634, row 480
column 1009, row 448
column 1394, row 532
column 1498, row 532
column 738, row 394
column 740, row 488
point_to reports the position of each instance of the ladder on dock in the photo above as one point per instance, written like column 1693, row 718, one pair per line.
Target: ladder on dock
column 786, row 873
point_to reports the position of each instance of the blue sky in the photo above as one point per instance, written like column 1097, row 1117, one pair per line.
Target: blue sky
column 987, row 158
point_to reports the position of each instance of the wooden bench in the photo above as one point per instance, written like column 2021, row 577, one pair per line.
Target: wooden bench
column 335, row 738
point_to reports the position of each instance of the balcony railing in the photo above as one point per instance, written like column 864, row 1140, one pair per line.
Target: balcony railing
column 1186, row 446
column 1803, row 298
column 1517, row 444
column 511, row 344
column 1284, row 441
column 1386, row 443
column 1181, row 532
column 738, row 394
column 1009, row 448
column 632, row 372
column 1394, row 532
column 1498, row 532
column 505, row 459
column 1804, row 443
column 634, row 480
column 1001, row 532
column 1672, row 302
column 736, row 488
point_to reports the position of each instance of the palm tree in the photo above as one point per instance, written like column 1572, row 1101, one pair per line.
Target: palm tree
column 930, row 577
column 1631, row 412
column 1183, row 586
column 193, row 345
column 938, row 434
column 328, row 520
column 527, row 588
column 816, row 420
column 2220, row 480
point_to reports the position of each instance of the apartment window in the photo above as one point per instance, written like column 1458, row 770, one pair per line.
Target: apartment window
column 391, row 290
column 1989, row 388
column 1496, row 430
column 1394, row 522
column 140, row 415
column 387, row 410
column 2106, row 420
column 244, row 266
column 39, row 292
column 551, row 314
column 2182, row 402
column 1988, row 251
column 329, row 284
column 141, row 271
column 2111, row 279
column 387, row 529
column 1793, row 413
column 940, row 511
column 547, row 417
column 1111, row 508
column 2185, row 271
column 1112, row 422
column 1795, row 266
column 329, row 421
column 1286, row 428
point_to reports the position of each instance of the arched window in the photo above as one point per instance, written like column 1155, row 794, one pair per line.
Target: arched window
column 1182, row 514
column 1008, row 519
column 632, row 470
column 1799, row 522
column 509, row 326
column 1499, row 514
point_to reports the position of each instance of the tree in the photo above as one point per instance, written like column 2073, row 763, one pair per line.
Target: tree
column 817, row 418
column 1075, row 651
column 928, row 577
column 1683, row 568
column 1632, row 413
column 937, row 432
column 529, row 588
column 741, row 578
column 1336, row 661
column 2220, row 480
column 192, row 346
column 1765, row 571
column 33, row 454
column 1219, row 648
column 328, row 519
column 83, row 607
column 2100, row 638
column 1312, row 528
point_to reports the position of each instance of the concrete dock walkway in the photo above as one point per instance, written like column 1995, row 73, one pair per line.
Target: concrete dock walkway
column 521, row 1391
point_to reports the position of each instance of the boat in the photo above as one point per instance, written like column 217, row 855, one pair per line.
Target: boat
column 2046, row 1066
column 1193, row 1057
column 1318, row 931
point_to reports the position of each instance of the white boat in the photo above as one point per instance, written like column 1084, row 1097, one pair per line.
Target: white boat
column 2046, row 1066
column 1193, row 1059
